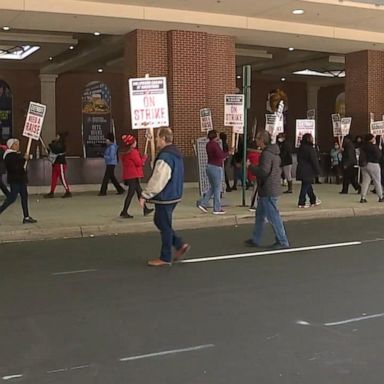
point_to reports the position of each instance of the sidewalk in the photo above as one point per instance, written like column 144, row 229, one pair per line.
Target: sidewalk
column 87, row 214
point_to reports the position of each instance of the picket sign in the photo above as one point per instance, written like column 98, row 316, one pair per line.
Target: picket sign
column 234, row 113
column 149, row 107
column 206, row 124
column 274, row 123
column 33, row 124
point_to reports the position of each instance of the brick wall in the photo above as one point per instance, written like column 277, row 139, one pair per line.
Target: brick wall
column 200, row 69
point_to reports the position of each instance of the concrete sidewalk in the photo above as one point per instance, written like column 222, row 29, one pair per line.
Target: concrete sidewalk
column 87, row 214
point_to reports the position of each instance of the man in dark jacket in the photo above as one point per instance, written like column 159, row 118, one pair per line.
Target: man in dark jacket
column 165, row 189
column 349, row 161
column 17, row 179
column 308, row 168
column 268, row 177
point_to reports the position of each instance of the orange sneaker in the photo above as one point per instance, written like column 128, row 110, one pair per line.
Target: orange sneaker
column 158, row 263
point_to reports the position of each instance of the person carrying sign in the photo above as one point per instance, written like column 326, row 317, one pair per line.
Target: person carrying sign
column 59, row 165
column 349, row 161
column 17, row 179
column 308, row 167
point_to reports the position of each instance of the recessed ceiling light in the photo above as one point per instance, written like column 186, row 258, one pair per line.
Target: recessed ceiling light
column 298, row 11
column 50, row 58
column 283, row 79
column 71, row 47
column 6, row 28
column 238, row 77
column 291, row 49
column 100, row 70
column 97, row 33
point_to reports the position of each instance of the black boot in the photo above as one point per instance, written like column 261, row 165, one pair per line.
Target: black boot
column 289, row 190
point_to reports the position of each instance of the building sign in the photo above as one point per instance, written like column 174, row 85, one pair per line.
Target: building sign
column 304, row 126
column 5, row 111
column 206, row 120
column 149, row 102
column 34, row 120
column 233, row 110
column 97, row 118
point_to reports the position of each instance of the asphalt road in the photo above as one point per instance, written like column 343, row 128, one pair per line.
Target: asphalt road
column 91, row 311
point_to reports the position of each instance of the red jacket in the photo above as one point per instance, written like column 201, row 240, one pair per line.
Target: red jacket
column 133, row 164
column 253, row 156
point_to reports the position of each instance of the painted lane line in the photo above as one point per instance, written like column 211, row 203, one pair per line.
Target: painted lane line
column 11, row 377
column 80, row 367
column 163, row 353
column 74, row 272
column 354, row 320
column 262, row 253
column 58, row 370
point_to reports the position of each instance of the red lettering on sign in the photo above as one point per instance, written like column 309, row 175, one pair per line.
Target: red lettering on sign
column 149, row 101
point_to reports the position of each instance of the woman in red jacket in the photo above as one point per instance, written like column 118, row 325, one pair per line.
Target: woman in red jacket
column 133, row 163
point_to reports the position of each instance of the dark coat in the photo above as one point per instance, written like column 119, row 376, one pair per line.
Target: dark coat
column 16, row 173
column 349, row 154
column 58, row 148
column 369, row 153
column 285, row 153
column 268, row 172
column 308, row 166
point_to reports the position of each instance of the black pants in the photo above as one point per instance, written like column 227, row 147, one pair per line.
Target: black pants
column 17, row 189
column 109, row 175
column 3, row 187
column 133, row 187
column 306, row 190
column 349, row 177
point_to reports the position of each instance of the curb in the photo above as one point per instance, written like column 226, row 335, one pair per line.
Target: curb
column 36, row 234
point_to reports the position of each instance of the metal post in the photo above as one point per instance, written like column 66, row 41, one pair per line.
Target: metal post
column 247, row 103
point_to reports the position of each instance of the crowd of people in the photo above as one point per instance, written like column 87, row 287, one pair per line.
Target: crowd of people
column 267, row 163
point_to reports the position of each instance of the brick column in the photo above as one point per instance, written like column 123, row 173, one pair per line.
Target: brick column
column 200, row 69
column 364, row 88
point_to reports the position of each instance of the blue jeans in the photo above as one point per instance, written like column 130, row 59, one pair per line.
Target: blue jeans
column 215, row 175
column 306, row 189
column 17, row 189
column 267, row 209
column 163, row 221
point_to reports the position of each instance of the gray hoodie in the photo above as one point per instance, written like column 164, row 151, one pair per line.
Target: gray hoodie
column 268, row 172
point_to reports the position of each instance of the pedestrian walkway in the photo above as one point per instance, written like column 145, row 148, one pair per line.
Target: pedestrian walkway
column 87, row 214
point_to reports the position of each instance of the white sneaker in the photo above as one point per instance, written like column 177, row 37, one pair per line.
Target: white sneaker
column 202, row 208
column 318, row 202
column 221, row 212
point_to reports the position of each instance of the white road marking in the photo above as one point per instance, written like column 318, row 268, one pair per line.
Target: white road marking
column 148, row 355
column 58, row 370
column 69, row 369
column 11, row 377
column 262, row 253
column 74, row 272
column 354, row 320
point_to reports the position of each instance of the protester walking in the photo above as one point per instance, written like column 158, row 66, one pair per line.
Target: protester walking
column 17, row 179
column 369, row 160
column 57, row 156
column 349, row 161
column 286, row 159
column 268, row 174
column 132, row 162
column 165, row 189
column 308, row 168
column 111, row 159
column 3, row 169
column 216, row 156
